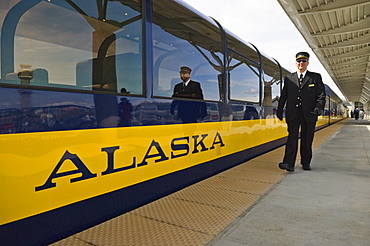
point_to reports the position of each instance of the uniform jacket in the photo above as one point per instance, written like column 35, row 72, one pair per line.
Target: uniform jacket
column 192, row 90
column 312, row 96
column 189, row 110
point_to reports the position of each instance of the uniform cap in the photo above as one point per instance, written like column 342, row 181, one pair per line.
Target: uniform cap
column 185, row 70
column 302, row 55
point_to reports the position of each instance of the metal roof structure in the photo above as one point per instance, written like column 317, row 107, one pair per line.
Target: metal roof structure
column 338, row 32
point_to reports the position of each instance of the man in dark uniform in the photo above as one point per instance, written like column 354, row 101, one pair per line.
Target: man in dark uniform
column 304, row 96
column 188, row 111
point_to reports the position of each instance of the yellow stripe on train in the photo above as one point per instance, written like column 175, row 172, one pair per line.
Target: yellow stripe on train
column 48, row 170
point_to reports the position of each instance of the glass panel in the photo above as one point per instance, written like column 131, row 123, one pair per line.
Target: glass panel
column 271, row 83
column 244, row 79
column 180, row 38
column 79, row 46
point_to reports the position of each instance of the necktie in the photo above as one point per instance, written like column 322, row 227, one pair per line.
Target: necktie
column 300, row 80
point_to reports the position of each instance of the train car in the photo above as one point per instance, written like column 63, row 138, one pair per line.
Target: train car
column 88, row 127
column 335, row 107
column 334, row 110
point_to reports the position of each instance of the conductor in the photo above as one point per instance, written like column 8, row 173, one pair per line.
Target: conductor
column 304, row 96
column 188, row 111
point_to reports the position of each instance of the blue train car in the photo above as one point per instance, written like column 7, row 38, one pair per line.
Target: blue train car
column 87, row 125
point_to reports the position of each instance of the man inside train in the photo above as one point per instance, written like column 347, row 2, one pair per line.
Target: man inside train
column 188, row 111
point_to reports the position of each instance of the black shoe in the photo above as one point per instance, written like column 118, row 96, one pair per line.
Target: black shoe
column 306, row 167
column 285, row 166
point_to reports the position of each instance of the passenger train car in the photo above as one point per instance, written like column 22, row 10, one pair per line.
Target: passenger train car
column 86, row 127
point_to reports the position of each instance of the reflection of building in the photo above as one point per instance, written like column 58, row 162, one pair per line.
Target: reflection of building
column 213, row 112
column 146, row 114
column 64, row 117
column 243, row 112
column 9, row 119
column 162, row 111
column 238, row 112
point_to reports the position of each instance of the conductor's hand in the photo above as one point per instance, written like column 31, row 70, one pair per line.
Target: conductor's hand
column 279, row 115
column 317, row 111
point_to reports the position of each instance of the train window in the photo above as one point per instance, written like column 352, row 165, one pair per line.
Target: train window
column 244, row 48
column 271, row 82
column 244, row 79
column 181, row 38
column 78, row 45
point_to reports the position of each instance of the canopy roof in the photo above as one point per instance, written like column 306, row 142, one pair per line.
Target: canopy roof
column 338, row 32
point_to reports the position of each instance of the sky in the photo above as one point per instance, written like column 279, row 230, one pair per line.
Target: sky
column 264, row 24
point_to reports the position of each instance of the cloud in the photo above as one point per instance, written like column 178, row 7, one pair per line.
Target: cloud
column 253, row 91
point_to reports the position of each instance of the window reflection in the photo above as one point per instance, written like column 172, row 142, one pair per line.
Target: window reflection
column 78, row 46
column 244, row 79
column 191, row 42
column 170, row 53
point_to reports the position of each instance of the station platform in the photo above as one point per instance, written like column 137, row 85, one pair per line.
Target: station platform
column 256, row 203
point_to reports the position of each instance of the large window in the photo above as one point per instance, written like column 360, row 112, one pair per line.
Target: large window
column 80, row 45
column 181, row 38
column 244, row 79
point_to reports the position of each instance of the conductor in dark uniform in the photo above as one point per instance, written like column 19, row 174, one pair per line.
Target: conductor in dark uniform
column 188, row 111
column 303, row 95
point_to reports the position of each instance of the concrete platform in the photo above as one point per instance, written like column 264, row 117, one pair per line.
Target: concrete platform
column 329, row 205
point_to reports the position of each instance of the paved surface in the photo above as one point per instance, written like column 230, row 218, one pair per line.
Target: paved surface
column 329, row 205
